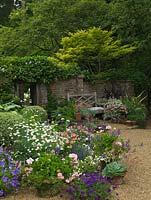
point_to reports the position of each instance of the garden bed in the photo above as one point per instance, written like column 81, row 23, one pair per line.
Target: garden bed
column 137, row 180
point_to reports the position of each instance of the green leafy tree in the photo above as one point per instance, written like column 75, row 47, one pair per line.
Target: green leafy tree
column 38, row 26
column 6, row 7
column 90, row 49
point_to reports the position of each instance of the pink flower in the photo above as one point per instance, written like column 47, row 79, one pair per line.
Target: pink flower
column 74, row 157
column 29, row 161
column 27, row 171
column 75, row 174
column 108, row 127
column 119, row 144
column 67, row 181
column 60, row 176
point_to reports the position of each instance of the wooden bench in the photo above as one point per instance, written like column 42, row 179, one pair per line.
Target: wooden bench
column 88, row 101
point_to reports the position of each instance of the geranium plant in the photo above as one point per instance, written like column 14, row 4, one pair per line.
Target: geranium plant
column 49, row 171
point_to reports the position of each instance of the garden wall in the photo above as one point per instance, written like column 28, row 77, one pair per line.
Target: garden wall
column 75, row 85
column 104, row 89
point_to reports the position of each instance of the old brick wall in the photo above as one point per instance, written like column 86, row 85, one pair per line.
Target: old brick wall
column 77, row 85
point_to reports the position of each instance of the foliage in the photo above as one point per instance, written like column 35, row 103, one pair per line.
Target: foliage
column 32, row 69
column 86, row 112
column 90, row 49
column 114, row 110
column 135, row 107
column 32, row 31
column 6, row 7
column 109, row 145
column 38, row 113
column 9, row 107
column 8, row 120
column 113, row 169
column 81, row 149
column 67, row 112
column 9, row 174
column 50, row 169
column 90, row 186
column 89, row 164
column 103, row 143
column 52, row 104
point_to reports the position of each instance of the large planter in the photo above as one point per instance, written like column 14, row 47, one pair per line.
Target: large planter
column 130, row 123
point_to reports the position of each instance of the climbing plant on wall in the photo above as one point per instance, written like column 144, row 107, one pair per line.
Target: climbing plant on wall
column 36, row 69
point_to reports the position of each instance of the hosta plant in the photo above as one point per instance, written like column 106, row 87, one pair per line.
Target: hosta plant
column 114, row 169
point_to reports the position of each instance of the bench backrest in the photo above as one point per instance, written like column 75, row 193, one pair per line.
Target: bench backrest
column 83, row 100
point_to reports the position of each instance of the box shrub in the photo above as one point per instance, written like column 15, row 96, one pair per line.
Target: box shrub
column 7, row 124
column 37, row 112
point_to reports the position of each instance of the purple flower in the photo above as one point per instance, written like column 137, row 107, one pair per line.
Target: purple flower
column 103, row 156
column 16, row 171
column 1, row 150
column 5, row 179
column 90, row 192
column 96, row 198
column 108, row 190
column 1, row 193
column 57, row 150
column 82, row 193
column 69, row 191
column 2, row 163
column 15, row 183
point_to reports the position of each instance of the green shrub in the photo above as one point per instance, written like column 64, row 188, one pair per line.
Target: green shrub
column 37, row 112
column 7, row 122
column 135, row 107
column 66, row 111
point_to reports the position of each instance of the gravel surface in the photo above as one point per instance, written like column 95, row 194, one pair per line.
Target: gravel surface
column 137, row 181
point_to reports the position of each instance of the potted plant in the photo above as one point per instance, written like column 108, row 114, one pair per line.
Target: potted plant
column 78, row 115
column 87, row 113
column 137, row 112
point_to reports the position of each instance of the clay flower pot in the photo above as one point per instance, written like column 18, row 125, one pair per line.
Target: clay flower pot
column 78, row 116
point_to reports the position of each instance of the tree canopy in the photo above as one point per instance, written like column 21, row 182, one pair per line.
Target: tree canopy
column 90, row 49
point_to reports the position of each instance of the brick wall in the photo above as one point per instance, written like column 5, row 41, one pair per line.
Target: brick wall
column 77, row 85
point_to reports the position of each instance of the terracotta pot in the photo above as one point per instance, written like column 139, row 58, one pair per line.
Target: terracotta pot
column 78, row 116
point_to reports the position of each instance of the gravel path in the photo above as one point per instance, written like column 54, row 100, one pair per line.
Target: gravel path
column 137, row 182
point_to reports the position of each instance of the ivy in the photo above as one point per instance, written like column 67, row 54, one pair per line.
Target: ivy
column 31, row 69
